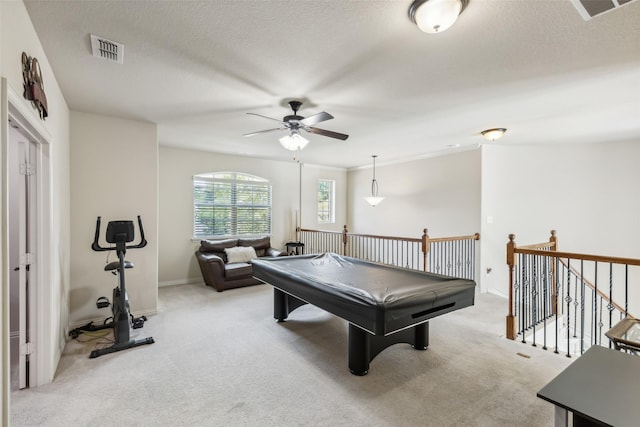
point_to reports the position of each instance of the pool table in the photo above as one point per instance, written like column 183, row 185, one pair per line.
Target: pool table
column 383, row 304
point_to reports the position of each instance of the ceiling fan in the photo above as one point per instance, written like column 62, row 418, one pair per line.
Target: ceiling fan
column 294, row 123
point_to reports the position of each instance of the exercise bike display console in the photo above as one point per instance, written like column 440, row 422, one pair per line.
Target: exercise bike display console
column 119, row 233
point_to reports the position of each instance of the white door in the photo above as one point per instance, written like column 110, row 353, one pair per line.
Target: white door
column 22, row 192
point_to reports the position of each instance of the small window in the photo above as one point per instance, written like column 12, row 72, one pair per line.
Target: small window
column 326, row 201
column 231, row 204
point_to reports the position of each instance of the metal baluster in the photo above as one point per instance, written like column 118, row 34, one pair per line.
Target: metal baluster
column 582, row 290
column 525, row 293
column 575, row 306
column 610, row 305
column 568, row 300
column 600, row 324
column 595, row 305
column 558, row 285
column 545, row 296
column 529, row 291
column 516, row 285
column 534, row 297
column 473, row 256
column 626, row 290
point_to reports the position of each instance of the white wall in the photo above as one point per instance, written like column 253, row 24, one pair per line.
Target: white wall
column 311, row 174
column 114, row 174
column 587, row 193
column 177, row 263
column 439, row 193
column 17, row 35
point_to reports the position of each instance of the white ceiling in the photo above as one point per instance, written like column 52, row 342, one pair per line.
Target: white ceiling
column 196, row 67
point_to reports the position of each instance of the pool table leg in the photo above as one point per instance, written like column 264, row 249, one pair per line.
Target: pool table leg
column 364, row 347
column 283, row 304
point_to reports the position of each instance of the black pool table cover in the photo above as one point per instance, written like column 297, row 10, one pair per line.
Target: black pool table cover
column 380, row 299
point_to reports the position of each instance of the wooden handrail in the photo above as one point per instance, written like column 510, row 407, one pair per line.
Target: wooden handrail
column 548, row 245
column 475, row 236
column 585, row 257
column 424, row 240
column 319, row 231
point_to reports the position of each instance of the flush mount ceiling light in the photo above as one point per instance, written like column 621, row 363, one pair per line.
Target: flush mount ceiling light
column 435, row 16
column 294, row 142
column 374, row 199
column 493, row 134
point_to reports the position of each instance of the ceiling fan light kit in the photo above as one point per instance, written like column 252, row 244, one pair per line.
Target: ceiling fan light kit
column 374, row 199
column 295, row 123
column 294, row 142
column 436, row 16
column 493, row 134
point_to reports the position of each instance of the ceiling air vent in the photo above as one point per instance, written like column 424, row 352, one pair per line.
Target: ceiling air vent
column 107, row 49
column 591, row 8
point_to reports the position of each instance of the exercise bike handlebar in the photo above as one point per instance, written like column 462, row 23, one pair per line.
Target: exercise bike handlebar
column 96, row 245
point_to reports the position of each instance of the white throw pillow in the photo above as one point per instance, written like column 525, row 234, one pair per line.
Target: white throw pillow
column 240, row 254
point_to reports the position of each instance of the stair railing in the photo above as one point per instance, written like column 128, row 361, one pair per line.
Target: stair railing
column 554, row 294
column 452, row 256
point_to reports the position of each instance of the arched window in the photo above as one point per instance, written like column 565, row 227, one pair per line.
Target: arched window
column 231, row 204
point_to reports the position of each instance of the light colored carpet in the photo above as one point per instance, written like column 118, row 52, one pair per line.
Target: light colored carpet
column 220, row 359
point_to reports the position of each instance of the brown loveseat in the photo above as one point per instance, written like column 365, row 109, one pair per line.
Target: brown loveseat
column 224, row 266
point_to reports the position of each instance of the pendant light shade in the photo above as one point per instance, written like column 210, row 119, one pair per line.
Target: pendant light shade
column 374, row 199
column 435, row 16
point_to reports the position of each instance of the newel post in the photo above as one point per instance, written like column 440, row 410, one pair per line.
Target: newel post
column 511, row 262
column 344, row 240
column 425, row 248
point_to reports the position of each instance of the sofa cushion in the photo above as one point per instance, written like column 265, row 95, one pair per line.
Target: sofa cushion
column 218, row 246
column 260, row 244
column 238, row 270
column 240, row 254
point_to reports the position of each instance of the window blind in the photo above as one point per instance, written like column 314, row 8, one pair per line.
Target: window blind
column 231, row 204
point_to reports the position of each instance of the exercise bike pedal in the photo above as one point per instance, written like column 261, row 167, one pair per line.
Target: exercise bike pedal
column 138, row 323
column 102, row 302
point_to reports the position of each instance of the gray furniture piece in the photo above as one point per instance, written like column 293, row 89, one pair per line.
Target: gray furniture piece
column 602, row 387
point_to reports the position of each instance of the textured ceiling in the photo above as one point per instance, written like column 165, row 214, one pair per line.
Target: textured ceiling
column 196, row 67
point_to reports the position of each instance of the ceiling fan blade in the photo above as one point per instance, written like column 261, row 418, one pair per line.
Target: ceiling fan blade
column 316, row 118
column 262, row 131
column 328, row 133
column 266, row 117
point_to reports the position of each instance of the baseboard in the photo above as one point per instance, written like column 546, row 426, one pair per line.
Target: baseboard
column 497, row 293
column 181, row 282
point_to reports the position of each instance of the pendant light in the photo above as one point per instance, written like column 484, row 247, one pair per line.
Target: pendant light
column 374, row 199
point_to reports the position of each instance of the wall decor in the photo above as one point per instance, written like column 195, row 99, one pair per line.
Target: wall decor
column 34, row 85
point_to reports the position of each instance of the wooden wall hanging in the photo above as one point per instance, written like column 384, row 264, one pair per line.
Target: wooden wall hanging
column 34, row 85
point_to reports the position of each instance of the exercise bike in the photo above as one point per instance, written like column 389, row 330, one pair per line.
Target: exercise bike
column 119, row 233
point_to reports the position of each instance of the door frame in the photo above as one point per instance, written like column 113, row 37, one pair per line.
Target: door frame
column 22, row 206
column 46, row 307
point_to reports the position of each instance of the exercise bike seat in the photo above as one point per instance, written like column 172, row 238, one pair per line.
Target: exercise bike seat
column 115, row 265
